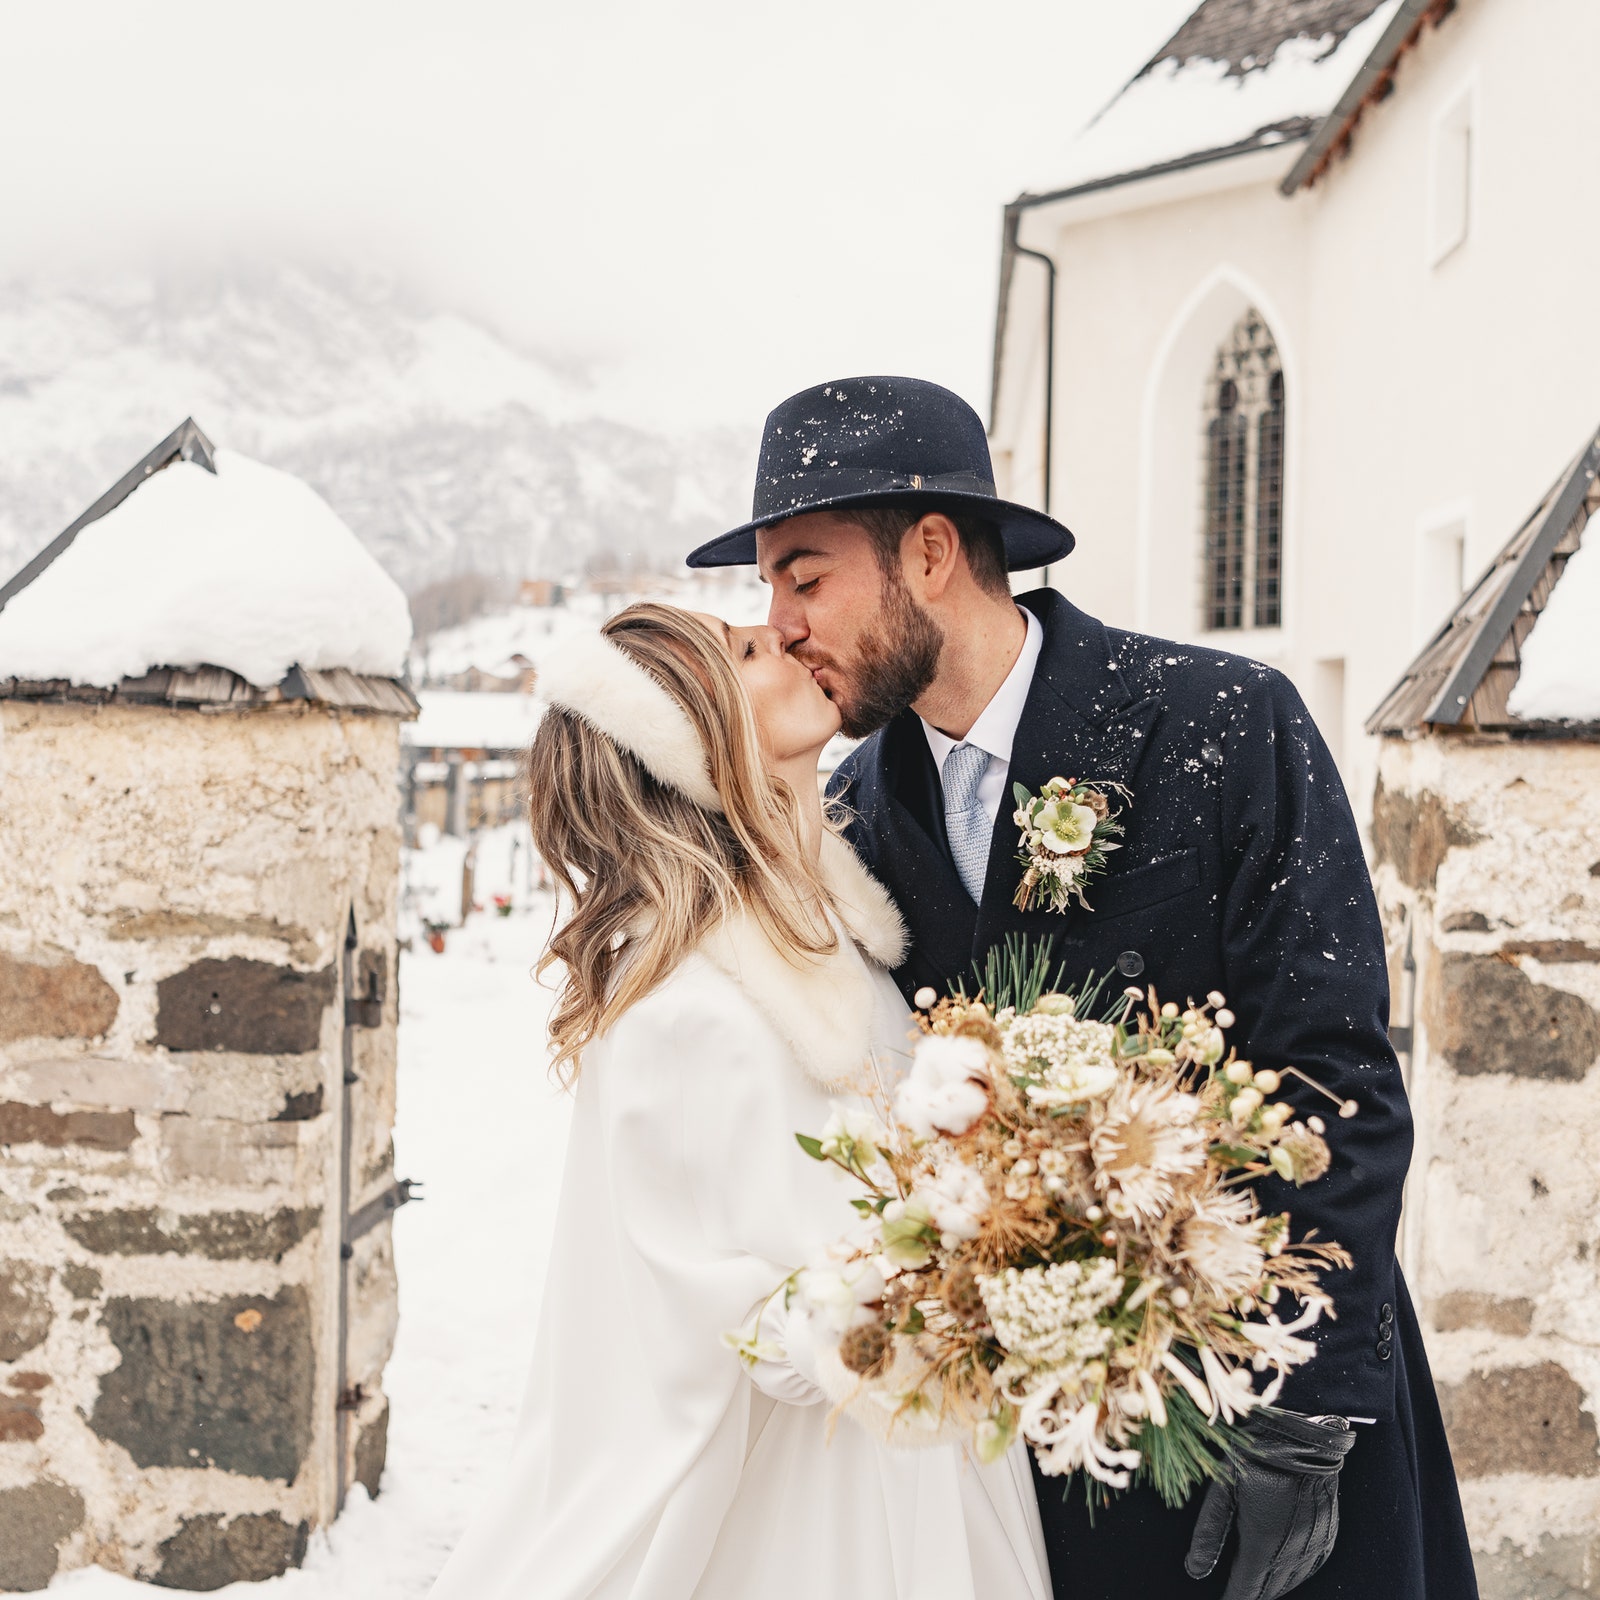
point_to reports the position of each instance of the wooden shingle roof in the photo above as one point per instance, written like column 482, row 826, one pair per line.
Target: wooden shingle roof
column 1464, row 675
column 1247, row 33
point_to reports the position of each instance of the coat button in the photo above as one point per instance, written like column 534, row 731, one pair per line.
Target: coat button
column 1383, row 1347
column 1211, row 753
column 1386, row 1315
column 1130, row 963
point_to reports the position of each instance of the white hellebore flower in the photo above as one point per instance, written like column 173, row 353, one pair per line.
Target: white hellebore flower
column 1065, row 829
column 835, row 1295
column 947, row 1089
column 853, row 1135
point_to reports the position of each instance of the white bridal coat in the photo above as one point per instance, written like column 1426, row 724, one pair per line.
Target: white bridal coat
column 649, row 1463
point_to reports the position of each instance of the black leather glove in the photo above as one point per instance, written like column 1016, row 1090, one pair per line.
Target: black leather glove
column 1284, row 1491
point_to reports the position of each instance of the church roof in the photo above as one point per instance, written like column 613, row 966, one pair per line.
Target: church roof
column 1516, row 655
column 1239, row 75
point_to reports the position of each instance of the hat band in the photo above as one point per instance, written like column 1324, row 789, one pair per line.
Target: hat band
column 838, row 483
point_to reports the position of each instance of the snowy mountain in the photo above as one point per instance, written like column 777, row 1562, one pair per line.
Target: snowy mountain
column 446, row 450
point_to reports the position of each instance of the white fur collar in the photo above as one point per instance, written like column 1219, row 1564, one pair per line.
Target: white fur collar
column 821, row 1007
column 589, row 675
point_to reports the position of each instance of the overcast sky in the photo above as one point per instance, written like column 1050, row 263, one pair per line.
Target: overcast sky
column 705, row 205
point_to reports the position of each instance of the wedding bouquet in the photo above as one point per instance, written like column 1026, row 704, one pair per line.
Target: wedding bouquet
column 1057, row 1237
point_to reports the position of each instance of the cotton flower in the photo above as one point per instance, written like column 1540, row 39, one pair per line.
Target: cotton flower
column 837, row 1295
column 1221, row 1243
column 947, row 1089
column 954, row 1200
column 1145, row 1135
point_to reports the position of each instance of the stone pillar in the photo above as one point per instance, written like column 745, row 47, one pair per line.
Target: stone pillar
column 174, row 895
column 1488, row 860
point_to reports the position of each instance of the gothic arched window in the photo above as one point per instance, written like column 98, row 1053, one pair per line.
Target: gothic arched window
column 1243, row 543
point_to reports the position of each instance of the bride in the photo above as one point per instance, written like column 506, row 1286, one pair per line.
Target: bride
column 723, row 979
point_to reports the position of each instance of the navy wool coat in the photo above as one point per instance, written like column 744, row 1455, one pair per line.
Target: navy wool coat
column 1240, row 870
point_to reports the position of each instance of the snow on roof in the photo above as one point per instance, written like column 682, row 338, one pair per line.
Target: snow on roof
column 246, row 568
column 1560, row 679
column 461, row 719
column 1238, row 75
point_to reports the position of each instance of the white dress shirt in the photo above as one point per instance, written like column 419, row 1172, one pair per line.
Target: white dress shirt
column 996, row 727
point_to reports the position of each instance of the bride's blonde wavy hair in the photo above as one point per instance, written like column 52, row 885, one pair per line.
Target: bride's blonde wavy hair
column 650, row 873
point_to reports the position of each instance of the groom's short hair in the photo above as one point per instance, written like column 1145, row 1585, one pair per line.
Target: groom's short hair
column 980, row 540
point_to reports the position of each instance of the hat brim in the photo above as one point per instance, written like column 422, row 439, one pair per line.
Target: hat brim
column 1031, row 538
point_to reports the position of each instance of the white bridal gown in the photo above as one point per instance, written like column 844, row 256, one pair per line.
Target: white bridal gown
column 649, row 1462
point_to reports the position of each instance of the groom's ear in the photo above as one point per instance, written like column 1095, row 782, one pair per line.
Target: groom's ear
column 932, row 552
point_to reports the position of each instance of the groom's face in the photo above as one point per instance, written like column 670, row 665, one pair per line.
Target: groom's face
column 849, row 616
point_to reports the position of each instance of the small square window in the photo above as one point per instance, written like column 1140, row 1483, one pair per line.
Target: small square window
column 1450, row 203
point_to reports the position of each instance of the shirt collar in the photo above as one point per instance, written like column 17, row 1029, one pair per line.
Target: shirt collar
column 995, row 731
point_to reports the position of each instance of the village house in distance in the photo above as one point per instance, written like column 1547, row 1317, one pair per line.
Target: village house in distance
column 200, row 712
column 1323, row 328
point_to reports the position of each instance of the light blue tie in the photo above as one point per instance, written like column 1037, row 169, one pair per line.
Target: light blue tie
column 966, row 823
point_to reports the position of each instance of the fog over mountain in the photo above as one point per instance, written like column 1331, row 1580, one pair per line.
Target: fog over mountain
column 447, row 451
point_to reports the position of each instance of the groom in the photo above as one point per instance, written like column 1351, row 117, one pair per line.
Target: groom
column 877, row 525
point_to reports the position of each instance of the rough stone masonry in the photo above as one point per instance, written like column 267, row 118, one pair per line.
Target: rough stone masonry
column 175, row 889
column 1488, row 866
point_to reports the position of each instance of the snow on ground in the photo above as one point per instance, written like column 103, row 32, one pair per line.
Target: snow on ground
column 246, row 568
column 1560, row 678
column 481, row 1125
column 1183, row 108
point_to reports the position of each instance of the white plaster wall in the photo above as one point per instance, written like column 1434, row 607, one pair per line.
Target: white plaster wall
column 1413, row 390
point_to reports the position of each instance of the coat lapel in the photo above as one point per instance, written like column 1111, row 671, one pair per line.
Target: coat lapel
column 1079, row 721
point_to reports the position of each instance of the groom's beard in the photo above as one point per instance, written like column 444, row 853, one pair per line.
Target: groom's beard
column 895, row 662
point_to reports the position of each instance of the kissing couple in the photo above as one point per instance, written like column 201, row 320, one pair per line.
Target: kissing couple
column 733, row 949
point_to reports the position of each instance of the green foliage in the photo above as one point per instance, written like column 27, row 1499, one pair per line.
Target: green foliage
column 812, row 1147
column 1187, row 1453
column 1016, row 972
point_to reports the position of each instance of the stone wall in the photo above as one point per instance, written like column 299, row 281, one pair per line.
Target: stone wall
column 175, row 887
column 1487, row 856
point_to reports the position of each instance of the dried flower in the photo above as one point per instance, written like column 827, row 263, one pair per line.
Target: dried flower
column 1221, row 1243
column 1144, row 1137
column 866, row 1349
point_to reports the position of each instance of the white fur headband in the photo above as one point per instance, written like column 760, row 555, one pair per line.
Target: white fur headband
column 589, row 676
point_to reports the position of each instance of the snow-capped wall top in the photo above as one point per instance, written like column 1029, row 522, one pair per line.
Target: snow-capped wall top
column 1239, row 74
column 246, row 568
column 1560, row 677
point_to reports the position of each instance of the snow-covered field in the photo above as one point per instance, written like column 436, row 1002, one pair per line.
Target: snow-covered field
column 481, row 1125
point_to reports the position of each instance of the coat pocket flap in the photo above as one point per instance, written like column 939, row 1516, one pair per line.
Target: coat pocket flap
column 1122, row 892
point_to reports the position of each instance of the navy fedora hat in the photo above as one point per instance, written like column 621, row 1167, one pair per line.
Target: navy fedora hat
column 879, row 443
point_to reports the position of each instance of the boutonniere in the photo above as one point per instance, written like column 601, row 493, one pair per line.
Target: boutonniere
column 1068, row 830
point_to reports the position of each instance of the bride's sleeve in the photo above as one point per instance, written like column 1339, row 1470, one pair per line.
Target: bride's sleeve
column 703, row 1178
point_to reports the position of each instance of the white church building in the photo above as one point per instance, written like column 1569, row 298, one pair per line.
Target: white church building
column 1299, row 329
